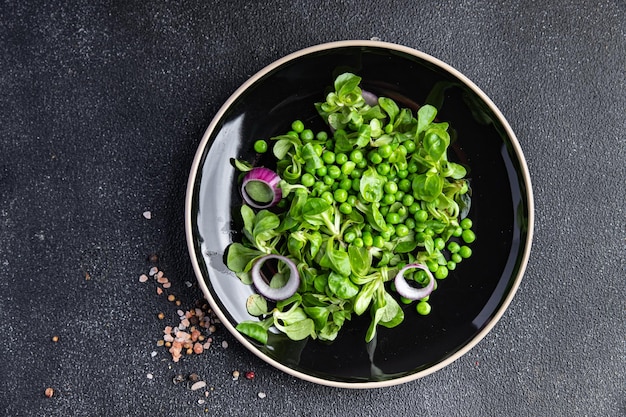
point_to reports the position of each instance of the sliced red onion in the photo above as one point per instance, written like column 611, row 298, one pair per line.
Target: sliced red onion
column 404, row 289
column 283, row 292
column 266, row 177
column 371, row 99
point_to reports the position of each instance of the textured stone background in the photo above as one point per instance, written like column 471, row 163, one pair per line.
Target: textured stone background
column 102, row 106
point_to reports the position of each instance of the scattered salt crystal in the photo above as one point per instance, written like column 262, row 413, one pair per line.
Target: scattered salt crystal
column 206, row 345
column 201, row 401
column 188, row 284
column 168, row 338
column 159, row 274
column 224, row 344
column 149, row 376
column 261, row 395
column 181, row 313
column 185, row 322
column 143, row 278
column 167, row 285
column 153, row 271
column 153, row 353
column 161, row 279
column 147, row 215
column 198, row 385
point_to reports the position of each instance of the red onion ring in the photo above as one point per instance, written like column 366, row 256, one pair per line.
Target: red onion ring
column 267, row 177
column 263, row 287
column 405, row 290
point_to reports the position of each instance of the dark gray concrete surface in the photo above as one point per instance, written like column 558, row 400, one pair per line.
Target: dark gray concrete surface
column 102, row 106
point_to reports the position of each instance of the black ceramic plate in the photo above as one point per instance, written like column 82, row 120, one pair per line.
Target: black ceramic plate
column 465, row 306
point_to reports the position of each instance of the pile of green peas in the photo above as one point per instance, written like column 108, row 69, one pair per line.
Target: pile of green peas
column 338, row 182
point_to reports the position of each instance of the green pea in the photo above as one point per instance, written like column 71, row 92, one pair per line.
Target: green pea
column 402, row 172
column 378, row 241
column 345, row 208
column 349, row 236
column 409, row 145
column 405, row 300
column 402, row 149
column 456, row 258
column 404, row 185
column 356, row 184
column 341, row 158
column 348, row 167
column 458, row 231
column 307, row 135
column 345, row 184
column 358, row 242
column 383, row 168
column 393, row 218
column 321, row 171
column 388, row 128
column 388, row 199
column 453, row 247
column 307, row 180
column 328, row 196
column 260, row 146
column 328, row 180
column 407, row 200
column 318, row 149
column 390, row 187
column 468, row 236
column 297, row 126
column 441, row 272
column 421, row 277
column 420, row 237
column 385, row 151
column 440, row 243
column 356, row 156
column 414, row 208
column 384, row 210
column 433, row 266
column 368, row 239
column 322, row 136
column 466, row 223
column 362, row 164
column 451, row 265
column 410, row 223
column 423, row 308
column 413, row 167
column 328, row 157
column 334, row 171
column 402, row 230
column 465, row 252
column 420, row 216
column 375, row 157
column 340, row 195
column 352, row 200
column 356, row 173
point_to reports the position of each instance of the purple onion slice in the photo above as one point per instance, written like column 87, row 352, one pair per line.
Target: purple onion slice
column 407, row 291
column 261, row 188
column 263, row 287
column 371, row 99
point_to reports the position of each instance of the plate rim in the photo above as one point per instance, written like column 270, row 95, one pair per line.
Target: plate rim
column 198, row 157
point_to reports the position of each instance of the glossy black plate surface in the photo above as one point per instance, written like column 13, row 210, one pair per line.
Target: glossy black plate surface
column 465, row 306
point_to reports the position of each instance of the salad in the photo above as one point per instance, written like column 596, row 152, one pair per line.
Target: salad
column 360, row 219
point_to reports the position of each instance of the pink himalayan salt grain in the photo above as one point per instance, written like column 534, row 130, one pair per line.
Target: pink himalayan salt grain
column 167, row 285
column 143, row 278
